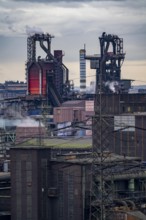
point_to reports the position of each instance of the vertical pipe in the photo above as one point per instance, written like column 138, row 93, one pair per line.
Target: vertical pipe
column 83, row 190
column 129, row 152
column 121, row 149
column 131, row 185
column 142, row 139
column 27, row 79
column 135, row 140
column 40, row 81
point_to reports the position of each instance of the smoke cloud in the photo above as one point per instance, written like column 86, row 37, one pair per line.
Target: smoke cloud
column 112, row 85
column 22, row 122
column 29, row 122
column 33, row 30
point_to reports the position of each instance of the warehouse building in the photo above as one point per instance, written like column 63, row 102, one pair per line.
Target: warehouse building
column 52, row 184
column 126, row 116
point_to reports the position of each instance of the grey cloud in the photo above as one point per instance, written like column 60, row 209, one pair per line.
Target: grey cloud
column 74, row 31
column 11, row 50
column 67, row 1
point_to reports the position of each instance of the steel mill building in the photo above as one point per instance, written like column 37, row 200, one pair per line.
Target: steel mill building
column 55, row 182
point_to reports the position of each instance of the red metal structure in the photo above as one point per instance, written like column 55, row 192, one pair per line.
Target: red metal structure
column 45, row 76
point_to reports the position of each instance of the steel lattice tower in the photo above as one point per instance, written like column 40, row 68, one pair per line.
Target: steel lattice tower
column 100, row 192
column 107, row 69
column 31, row 45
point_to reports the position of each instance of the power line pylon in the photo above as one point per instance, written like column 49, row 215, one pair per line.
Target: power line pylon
column 102, row 193
column 101, row 190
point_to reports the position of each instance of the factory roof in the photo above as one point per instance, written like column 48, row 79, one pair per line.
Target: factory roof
column 73, row 150
column 74, row 103
column 86, row 158
column 60, row 142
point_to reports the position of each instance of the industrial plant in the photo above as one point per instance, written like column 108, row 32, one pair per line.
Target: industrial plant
column 67, row 153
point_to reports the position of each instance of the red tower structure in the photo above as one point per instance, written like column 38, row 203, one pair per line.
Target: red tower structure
column 47, row 76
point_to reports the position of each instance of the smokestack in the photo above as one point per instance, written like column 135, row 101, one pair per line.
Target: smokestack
column 82, row 55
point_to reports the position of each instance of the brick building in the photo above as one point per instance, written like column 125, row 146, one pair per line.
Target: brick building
column 57, row 186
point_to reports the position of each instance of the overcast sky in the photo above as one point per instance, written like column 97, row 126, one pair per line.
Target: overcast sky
column 73, row 23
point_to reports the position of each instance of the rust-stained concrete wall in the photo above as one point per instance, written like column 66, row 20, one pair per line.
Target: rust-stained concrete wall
column 29, row 184
column 44, row 190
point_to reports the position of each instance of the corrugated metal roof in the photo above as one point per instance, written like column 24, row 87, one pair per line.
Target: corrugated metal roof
column 74, row 103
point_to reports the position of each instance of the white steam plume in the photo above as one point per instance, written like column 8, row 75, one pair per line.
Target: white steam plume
column 33, row 30
column 29, row 122
column 112, row 85
column 21, row 122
